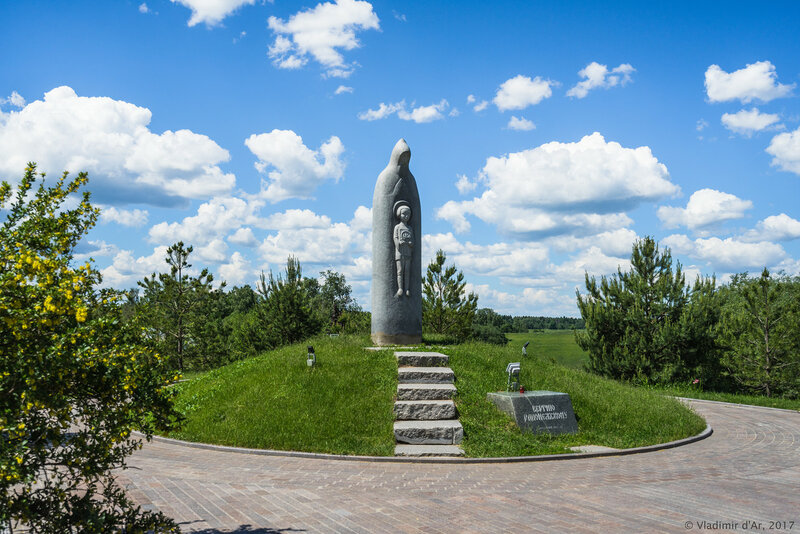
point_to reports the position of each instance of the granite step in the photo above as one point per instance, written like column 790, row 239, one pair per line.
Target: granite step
column 421, row 359
column 428, row 450
column 427, row 410
column 425, row 391
column 425, row 375
column 448, row 432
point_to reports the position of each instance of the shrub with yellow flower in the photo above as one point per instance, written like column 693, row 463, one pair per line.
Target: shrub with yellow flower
column 74, row 379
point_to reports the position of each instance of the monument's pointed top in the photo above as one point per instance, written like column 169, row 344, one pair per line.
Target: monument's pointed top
column 401, row 153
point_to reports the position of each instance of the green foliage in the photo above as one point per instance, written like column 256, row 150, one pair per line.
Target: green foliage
column 488, row 334
column 355, row 322
column 446, row 308
column 759, row 330
column 74, row 380
column 286, row 311
column 646, row 325
column 171, row 310
column 333, row 300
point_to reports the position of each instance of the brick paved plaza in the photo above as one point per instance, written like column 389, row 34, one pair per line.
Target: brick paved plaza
column 748, row 470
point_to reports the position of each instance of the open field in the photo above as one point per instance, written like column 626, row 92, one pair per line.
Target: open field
column 552, row 345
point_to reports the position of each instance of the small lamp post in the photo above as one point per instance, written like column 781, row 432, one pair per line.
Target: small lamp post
column 312, row 358
column 513, row 376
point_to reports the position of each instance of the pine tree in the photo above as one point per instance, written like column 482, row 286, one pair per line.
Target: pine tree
column 170, row 304
column 636, row 323
column 286, row 311
column 446, row 307
column 759, row 329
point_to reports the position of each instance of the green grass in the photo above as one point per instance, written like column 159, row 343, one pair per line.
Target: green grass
column 609, row 413
column 552, row 345
column 344, row 404
column 274, row 401
column 753, row 400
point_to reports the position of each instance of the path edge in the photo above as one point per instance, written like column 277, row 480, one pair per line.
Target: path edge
column 435, row 460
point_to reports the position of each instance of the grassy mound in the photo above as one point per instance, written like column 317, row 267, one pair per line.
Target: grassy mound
column 609, row 413
column 344, row 405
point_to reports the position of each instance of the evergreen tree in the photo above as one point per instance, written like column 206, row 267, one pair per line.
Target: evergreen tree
column 170, row 306
column 759, row 330
column 286, row 311
column 446, row 308
column 636, row 327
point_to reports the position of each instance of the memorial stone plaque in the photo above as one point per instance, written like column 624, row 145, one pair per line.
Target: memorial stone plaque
column 538, row 411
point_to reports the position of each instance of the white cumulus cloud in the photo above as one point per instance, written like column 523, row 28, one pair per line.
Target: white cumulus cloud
column 419, row 114
column 746, row 122
column 111, row 140
column 243, row 237
column 558, row 188
column 237, row 271
column 320, row 32
column 422, row 114
column 520, row 123
column 133, row 218
column 214, row 219
column 785, row 151
column 465, row 185
column 598, row 75
column 520, row 92
column 210, row 12
column 296, row 170
column 15, row 99
column 383, row 111
column 706, row 207
column 730, row 254
column 343, row 89
column 756, row 81
column 774, row 228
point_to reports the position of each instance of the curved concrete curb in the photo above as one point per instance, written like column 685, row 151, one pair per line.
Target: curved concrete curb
column 751, row 406
column 442, row 460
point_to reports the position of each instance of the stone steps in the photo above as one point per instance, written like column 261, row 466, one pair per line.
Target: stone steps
column 426, row 420
column 421, row 359
column 442, row 432
column 425, row 391
column 425, row 375
column 428, row 450
column 428, row 410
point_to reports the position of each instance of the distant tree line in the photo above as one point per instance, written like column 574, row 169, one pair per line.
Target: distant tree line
column 649, row 326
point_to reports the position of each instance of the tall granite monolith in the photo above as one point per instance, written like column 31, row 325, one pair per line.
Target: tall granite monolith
column 396, row 253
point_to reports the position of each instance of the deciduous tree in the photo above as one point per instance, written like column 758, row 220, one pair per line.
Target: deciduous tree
column 74, row 380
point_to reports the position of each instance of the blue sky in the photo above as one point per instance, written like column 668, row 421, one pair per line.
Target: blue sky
column 545, row 137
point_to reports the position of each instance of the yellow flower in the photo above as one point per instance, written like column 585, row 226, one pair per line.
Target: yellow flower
column 80, row 315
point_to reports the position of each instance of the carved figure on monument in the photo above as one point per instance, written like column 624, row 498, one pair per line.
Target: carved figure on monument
column 396, row 253
column 403, row 248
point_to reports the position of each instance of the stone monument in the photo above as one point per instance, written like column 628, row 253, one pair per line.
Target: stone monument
column 396, row 253
column 538, row 411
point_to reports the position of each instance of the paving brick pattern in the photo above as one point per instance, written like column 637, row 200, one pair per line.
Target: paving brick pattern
column 749, row 469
